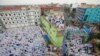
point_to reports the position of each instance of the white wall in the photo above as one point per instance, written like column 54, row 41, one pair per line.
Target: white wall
column 22, row 2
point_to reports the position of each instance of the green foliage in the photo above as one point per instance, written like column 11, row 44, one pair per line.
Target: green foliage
column 67, row 9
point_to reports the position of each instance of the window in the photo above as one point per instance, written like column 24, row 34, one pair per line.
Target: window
column 20, row 17
column 1, row 14
column 24, row 17
column 5, row 22
column 8, row 18
column 6, row 14
column 85, row 18
column 9, row 14
column 11, row 18
column 14, row 14
column 36, row 24
column 3, row 19
column 25, row 21
column 10, row 22
column 23, row 13
column 15, row 18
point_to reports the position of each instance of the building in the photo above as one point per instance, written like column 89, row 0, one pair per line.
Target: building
column 80, row 13
column 92, row 15
column 88, row 13
column 19, row 16
column 55, row 7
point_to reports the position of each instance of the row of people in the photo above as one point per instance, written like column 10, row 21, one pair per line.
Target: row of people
column 56, row 20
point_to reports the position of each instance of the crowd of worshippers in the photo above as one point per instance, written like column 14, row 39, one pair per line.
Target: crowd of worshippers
column 25, row 41
column 74, row 44
column 57, row 20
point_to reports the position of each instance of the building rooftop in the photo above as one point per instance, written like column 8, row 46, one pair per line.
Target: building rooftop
column 14, row 8
column 84, row 5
